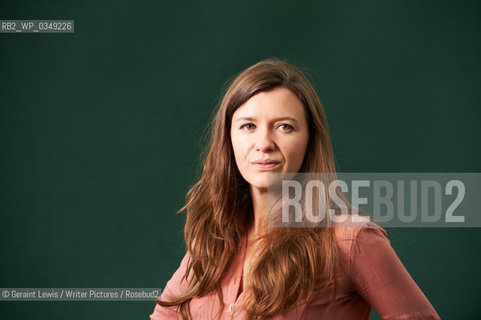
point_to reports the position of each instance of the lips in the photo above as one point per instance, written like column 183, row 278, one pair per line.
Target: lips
column 265, row 161
column 265, row 164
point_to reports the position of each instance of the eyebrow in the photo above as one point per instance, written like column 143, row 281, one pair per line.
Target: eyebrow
column 276, row 119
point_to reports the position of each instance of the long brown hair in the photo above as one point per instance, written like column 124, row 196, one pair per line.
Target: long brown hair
column 219, row 209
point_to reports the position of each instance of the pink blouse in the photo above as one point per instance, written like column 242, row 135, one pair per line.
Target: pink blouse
column 372, row 276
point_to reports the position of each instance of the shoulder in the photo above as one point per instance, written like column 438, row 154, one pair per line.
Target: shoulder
column 376, row 273
column 352, row 229
column 348, row 226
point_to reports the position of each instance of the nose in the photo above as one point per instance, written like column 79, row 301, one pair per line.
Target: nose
column 264, row 141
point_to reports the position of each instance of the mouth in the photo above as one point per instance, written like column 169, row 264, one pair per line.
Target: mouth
column 265, row 164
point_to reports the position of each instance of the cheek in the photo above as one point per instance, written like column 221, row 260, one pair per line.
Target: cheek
column 239, row 148
column 295, row 152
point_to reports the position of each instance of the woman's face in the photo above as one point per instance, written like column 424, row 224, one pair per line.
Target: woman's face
column 269, row 133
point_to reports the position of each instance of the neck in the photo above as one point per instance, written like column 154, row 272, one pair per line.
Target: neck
column 260, row 207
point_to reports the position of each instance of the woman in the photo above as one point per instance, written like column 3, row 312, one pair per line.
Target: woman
column 270, row 120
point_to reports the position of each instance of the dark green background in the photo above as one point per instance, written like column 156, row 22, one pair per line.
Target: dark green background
column 100, row 129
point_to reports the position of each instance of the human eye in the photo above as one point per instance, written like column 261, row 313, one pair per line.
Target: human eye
column 286, row 127
column 247, row 126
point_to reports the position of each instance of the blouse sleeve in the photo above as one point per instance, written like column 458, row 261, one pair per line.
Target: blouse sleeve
column 381, row 279
column 174, row 287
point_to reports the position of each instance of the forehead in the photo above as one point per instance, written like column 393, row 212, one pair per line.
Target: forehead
column 273, row 103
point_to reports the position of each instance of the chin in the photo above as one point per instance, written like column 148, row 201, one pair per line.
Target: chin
column 260, row 183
